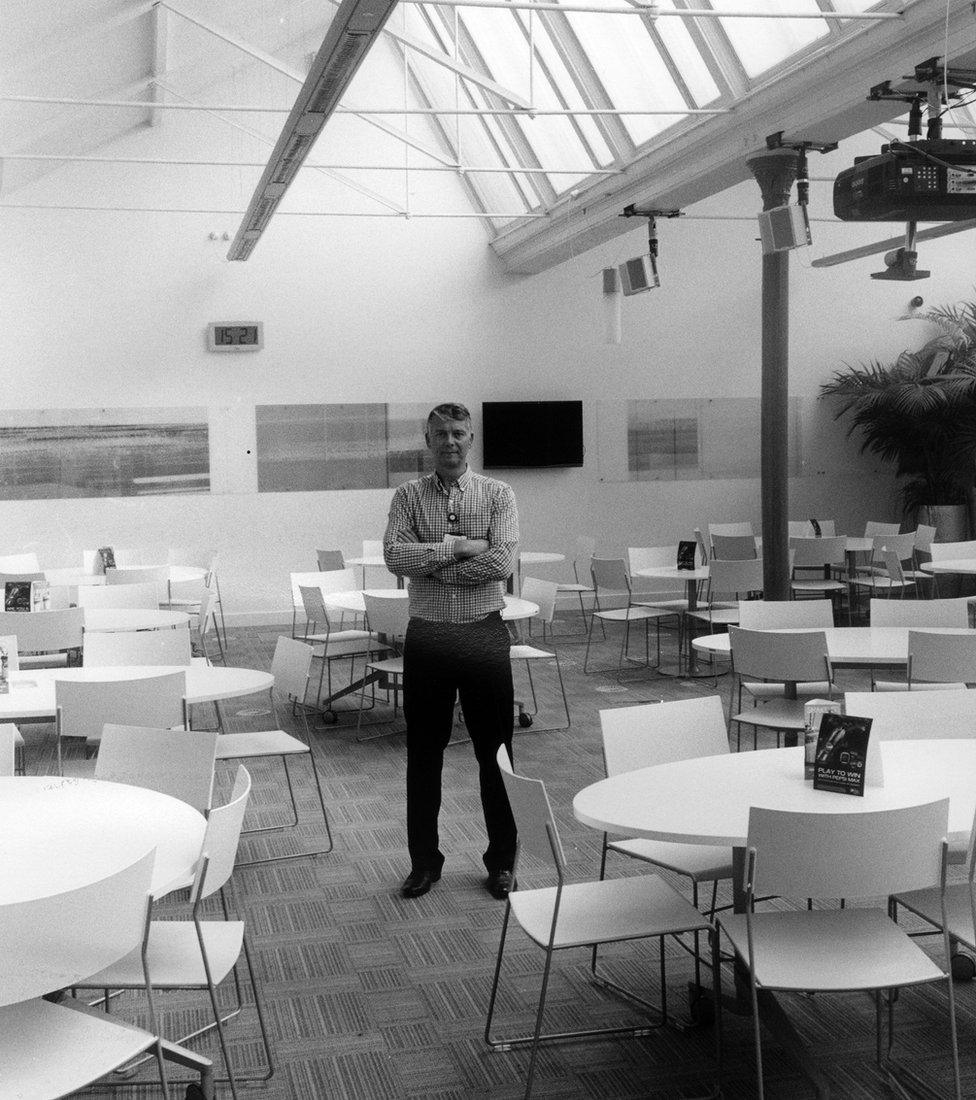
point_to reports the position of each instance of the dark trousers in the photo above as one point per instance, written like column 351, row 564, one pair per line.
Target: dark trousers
column 441, row 662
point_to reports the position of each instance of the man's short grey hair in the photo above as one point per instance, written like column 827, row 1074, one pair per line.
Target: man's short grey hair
column 448, row 411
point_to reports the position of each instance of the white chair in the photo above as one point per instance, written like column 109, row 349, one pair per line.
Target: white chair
column 924, row 537
column 329, row 561
column 543, row 594
column 936, row 714
column 140, row 596
column 372, row 548
column 661, row 733
column 950, row 551
column 207, row 618
column 728, row 529
column 9, row 736
column 290, row 666
column 817, row 568
column 198, row 953
column 45, row 639
column 179, row 763
column 936, row 662
column 733, row 547
column 610, row 575
column 889, row 572
column 669, row 595
column 50, row 1050
column 387, row 617
column 784, row 615
column 803, row 529
column 581, row 584
column 580, row 914
column 873, row 528
column 728, row 580
column 138, row 647
column 156, row 575
column 8, row 643
column 333, row 580
column 83, row 707
column 787, row 660
column 794, row 854
column 188, row 595
column 954, row 612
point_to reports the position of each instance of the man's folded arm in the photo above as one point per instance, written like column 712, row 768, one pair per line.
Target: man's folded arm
column 404, row 555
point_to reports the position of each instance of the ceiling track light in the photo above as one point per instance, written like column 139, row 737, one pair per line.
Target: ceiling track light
column 354, row 28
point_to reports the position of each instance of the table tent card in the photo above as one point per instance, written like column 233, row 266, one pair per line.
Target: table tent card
column 842, row 754
column 17, row 596
column 105, row 557
column 686, row 553
column 816, row 527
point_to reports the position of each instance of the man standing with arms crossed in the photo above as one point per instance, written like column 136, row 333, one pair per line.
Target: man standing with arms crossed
column 454, row 533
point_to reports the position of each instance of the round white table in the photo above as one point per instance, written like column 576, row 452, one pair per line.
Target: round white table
column 104, row 620
column 539, row 557
column 691, row 578
column 60, row 834
column 31, row 693
column 352, row 600
column 854, row 646
column 950, row 565
column 707, row 800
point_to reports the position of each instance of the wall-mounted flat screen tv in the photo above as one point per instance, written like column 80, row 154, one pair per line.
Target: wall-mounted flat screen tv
column 532, row 433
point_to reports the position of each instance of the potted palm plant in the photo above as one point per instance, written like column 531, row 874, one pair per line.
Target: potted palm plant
column 919, row 414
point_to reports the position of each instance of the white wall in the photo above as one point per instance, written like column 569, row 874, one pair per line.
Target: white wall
column 109, row 309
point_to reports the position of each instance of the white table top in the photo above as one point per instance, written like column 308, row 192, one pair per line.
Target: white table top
column 59, row 834
column 950, row 565
column 706, row 801
column 178, row 574
column 376, row 560
column 851, row 645
column 673, row 573
column 539, row 557
column 352, row 600
column 104, row 620
column 31, row 693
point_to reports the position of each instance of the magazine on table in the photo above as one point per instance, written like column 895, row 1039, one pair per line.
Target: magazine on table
column 17, row 596
column 686, row 553
column 842, row 752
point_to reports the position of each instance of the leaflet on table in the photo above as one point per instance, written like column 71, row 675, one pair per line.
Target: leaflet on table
column 686, row 553
column 105, row 557
column 842, row 753
column 17, row 596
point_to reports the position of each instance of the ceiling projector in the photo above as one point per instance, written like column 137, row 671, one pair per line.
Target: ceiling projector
column 921, row 181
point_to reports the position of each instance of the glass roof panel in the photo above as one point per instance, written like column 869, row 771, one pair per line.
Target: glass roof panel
column 630, row 68
column 686, row 57
column 761, row 44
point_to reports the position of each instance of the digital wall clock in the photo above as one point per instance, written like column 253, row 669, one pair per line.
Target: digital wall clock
column 235, row 335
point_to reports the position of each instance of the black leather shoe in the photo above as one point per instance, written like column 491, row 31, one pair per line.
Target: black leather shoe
column 499, row 884
column 418, row 883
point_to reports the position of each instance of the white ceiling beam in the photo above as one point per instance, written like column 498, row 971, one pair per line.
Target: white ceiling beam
column 821, row 99
column 650, row 10
column 160, row 52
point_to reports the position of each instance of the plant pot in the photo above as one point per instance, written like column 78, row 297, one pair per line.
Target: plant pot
column 950, row 521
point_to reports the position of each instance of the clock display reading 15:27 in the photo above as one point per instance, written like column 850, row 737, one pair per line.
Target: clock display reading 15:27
column 235, row 335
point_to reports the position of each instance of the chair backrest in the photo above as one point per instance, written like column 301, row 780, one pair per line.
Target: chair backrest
column 142, row 596
column 174, row 762
column 785, row 614
column 873, row 528
column 732, row 577
column 891, row 564
column 779, row 655
column 332, row 580
column 372, row 548
column 816, row 553
column 733, row 547
column 85, row 706
column 728, row 529
column 941, row 658
column 610, row 574
column 848, row 855
column 585, row 549
column 542, row 593
column 953, row 612
column 702, row 547
column 138, row 647
column 19, row 563
column 219, row 849
column 8, row 643
column 902, row 545
column 387, row 614
column 314, row 604
column 660, row 733
column 651, row 557
column 924, row 536
column 537, row 832
column 8, row 748
column 803, row 528
column 44, row 631
column 329, row 561
column 949, row 551
column 22, row 578
column 291, row 666
column 54, row 941
column 915, row 715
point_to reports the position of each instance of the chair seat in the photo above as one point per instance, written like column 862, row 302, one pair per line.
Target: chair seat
column 174, row 956
column 959, row 912
column 831, row 949
column 49, row 1050
column 571, row 586
column 605, row 911
column 882, row 584
column 393, row 666
column 528, row 653
column 717, row 616
column 43, row 660
column 699, row 862
column 674, row 606
column 236, row 746
column 777, row 714
column 775, row 691
column 345, row 643
column 818, row 586
column 631, row 614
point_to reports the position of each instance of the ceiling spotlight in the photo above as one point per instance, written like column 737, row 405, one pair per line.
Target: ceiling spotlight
column 900, row 266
